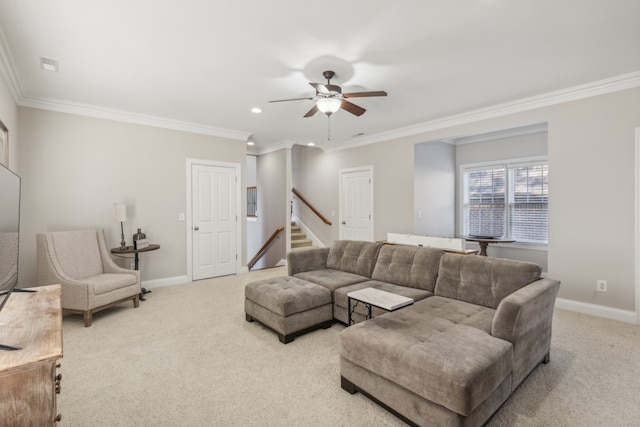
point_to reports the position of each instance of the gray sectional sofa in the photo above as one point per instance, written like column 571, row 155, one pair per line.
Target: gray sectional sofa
column 478, row 327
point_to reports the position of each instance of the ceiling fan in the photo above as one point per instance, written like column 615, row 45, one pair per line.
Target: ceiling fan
column 329, row 98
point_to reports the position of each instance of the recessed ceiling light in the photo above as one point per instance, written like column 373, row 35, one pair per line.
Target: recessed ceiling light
column 49, row 64
column 251, row 143
column 311, row 144
column 256, row 110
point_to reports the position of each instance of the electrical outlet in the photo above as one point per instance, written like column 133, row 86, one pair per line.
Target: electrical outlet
column 601, row 285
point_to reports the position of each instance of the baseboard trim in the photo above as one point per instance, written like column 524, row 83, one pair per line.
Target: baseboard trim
column 597, row 310
column 178, row 280
column 167, row 281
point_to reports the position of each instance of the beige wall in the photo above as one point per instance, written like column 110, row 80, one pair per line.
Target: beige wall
column 74, row 168
column 316, row 176
column 592, row 209
column 9, row 116
column 592, row 190
column 272, row 206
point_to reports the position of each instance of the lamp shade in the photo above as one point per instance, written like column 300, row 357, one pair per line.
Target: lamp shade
column 120, row 210
column 328, row 105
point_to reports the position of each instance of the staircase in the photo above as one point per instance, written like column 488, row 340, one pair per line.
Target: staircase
column 298, row 238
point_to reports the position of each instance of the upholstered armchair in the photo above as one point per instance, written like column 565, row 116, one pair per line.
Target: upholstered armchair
column 8, row 259
column 80, row 262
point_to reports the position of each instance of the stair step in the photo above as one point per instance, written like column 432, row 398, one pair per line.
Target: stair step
column 302, row 248
column 298, row 238
column 300, row 243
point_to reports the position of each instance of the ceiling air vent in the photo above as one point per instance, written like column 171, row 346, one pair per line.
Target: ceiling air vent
column 49, row 64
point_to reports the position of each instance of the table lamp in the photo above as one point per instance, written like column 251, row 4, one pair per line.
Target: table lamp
column 121, row 217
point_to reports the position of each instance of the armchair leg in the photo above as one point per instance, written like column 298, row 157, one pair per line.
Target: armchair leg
column 88, row 316
column 136, row 301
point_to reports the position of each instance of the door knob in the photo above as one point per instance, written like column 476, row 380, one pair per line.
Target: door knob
column 344, row 222
column 196, row 228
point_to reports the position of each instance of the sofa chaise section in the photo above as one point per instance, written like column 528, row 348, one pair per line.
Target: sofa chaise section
column 455, row 357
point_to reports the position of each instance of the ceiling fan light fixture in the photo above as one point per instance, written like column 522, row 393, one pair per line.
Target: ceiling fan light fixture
column 328, row 105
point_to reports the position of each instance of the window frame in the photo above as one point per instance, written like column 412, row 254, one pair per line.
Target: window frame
column 507, row 164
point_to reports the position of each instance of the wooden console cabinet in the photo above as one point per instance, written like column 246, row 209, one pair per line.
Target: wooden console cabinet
column 29, row 381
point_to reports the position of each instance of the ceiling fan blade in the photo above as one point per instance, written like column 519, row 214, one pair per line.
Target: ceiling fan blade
column 364, row 94
column 312, row 111
column 352, row 108
column 292, row 99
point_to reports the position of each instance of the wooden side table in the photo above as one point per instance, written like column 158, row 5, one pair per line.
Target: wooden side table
column 135, row 252
column 484, row 242
column 29, row 378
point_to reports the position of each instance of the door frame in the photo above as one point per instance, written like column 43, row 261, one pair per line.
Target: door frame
column 189, row 215
column 637, row 224
column 368, row 169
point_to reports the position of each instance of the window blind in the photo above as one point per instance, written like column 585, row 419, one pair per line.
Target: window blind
column 485, row 206
column 507, row 200
column 528, row 203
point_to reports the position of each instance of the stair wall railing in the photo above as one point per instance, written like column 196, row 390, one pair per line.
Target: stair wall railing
column 264, row 247
column 310, row 206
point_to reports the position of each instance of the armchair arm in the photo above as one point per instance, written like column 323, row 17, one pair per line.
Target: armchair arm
column 307, row 260
column 108, row 264
column 524, row 318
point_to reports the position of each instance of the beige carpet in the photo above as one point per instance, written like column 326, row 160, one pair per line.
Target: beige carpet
column 187, row 357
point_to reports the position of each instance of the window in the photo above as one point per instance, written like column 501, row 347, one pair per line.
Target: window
column 508, row 200
column 252, row 202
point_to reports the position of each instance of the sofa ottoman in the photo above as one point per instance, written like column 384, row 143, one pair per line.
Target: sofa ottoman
column 288, row 305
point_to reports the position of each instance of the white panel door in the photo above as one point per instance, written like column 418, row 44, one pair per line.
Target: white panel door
column 214, row 220
column 356, row 194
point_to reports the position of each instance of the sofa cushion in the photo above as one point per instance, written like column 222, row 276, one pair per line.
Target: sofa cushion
column 435, row 348
column 482, row 280
column 107, row 282
column 331, row 279
column 411, row 266
column 352, row 256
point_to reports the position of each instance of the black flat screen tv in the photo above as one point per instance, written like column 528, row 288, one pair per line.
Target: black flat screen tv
column 9, row 237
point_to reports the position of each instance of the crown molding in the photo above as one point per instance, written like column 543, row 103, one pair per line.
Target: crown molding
column 8, row 69
column 574, row 93
column 135, row 118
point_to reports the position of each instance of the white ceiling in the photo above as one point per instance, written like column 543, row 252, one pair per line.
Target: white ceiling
column 203, row 64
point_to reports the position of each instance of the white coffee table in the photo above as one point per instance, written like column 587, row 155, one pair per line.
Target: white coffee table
column 372, row 297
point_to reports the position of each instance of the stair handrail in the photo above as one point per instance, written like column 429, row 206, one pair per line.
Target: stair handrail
column 310, row 206
column 264, row 247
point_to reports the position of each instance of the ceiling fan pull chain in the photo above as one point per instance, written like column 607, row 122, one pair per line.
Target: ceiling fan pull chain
column 328, row 128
